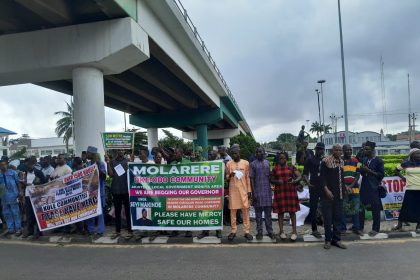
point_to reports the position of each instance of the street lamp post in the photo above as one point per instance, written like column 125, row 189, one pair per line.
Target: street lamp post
column 319, row 109
column 343, row 72
column 322, row 101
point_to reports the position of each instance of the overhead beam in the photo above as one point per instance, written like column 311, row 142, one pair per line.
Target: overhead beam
column 154, row 73
column 53, row 11
column 134, row 86
column 176, row 119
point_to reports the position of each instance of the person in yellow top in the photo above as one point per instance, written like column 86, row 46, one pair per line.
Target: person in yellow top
column 237, row 174
column 410, row 210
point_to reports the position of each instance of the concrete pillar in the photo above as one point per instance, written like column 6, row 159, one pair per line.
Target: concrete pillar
column 202, row 138
column 152, row 138
column 226, row 142
column 89, row 111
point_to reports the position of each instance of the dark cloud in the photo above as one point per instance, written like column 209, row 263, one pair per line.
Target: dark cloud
column 272, row 53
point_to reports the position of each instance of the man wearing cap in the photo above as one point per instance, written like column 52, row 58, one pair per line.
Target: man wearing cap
column 223, row 154
column 372, row 171
column 95, row 158
column 312, row 169
column 237, row 174
column 9, row 192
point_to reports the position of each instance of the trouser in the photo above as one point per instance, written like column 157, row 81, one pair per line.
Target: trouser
column 31, row 224
column 245, row 217
column 355, row 218
column 100, row 221
column 376, row 216
column 332, row 211
column 11, row 215
column 267, row 218
column 314, row 197
column 119, row 200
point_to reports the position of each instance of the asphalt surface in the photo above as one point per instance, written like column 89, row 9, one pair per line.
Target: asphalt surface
column 390, row 259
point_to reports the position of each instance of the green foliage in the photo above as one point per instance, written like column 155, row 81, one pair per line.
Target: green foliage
column 401, row 158
column 247, row 144
column 389, row 168
column 64, row 126
column 140, row 138
column 172, row 141
column 19, row 154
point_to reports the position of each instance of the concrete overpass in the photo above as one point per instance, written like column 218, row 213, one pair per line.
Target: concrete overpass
column 143, row 57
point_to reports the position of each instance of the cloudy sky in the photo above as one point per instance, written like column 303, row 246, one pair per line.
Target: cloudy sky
column 272, row 53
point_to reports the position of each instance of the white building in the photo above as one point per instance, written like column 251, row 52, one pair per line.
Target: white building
column 356, row 139
column 42, row 147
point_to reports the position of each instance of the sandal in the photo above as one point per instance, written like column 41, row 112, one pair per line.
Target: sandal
column 231, row 236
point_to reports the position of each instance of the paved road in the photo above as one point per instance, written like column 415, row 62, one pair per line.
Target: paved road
column 391, row 259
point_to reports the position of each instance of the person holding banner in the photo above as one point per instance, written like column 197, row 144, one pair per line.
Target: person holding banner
column 117, row 170
column 261, row 193
column 33, row 177
column 95, row 158
column 178, row 157
column 237, row 174
column 212, row 155
column 410, row 210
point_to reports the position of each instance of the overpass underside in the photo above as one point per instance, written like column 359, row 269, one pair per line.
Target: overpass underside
column 134, row 56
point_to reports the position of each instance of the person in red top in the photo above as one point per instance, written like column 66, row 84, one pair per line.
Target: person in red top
column 284, row 177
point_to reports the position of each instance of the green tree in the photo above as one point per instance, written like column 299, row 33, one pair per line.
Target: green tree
column 172, row 141
column 326, row 128
column 317, row 128
column 64, row 126
column 247, row 144
column 140, row 138
column 19, row 154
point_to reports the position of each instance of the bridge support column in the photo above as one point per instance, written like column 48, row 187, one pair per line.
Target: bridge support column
column 152, row 138
column 202, row 138
column 89, row 112
column 226, row 142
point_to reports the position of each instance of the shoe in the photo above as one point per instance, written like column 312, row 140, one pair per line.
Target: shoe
column 417, row 230
column 26, row 235
column 259, row 235
column 396, row 228
column 373, row 233
column 174, row 233
column 248, row 236
column 283, row 236
column 219, row 234
column 18, row 233
column 188, row 233
column 293, row 237
column 357, row 232
column 327, row 245
column 317, row 234
column 129, row 235
column 231, row 236
column 339, row 244
column 152, row 237
column 203, row 234
column 271, row 235
column 115, row 235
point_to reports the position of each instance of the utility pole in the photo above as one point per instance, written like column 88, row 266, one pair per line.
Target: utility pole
column 343, row 73
column 410, row 132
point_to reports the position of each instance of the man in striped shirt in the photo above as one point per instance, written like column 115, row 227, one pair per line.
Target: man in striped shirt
column 351, row 177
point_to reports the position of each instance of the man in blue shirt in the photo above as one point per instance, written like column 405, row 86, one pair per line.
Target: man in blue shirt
column 9, row 192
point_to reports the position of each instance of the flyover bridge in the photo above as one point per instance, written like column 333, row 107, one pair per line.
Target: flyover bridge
column 143, row 57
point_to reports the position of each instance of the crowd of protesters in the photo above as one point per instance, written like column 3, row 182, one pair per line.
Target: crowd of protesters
column 331, row 179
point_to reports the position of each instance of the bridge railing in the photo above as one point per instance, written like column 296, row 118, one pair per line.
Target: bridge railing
column 206, row 51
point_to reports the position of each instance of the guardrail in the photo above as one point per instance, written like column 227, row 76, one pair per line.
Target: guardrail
column 206, row 51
